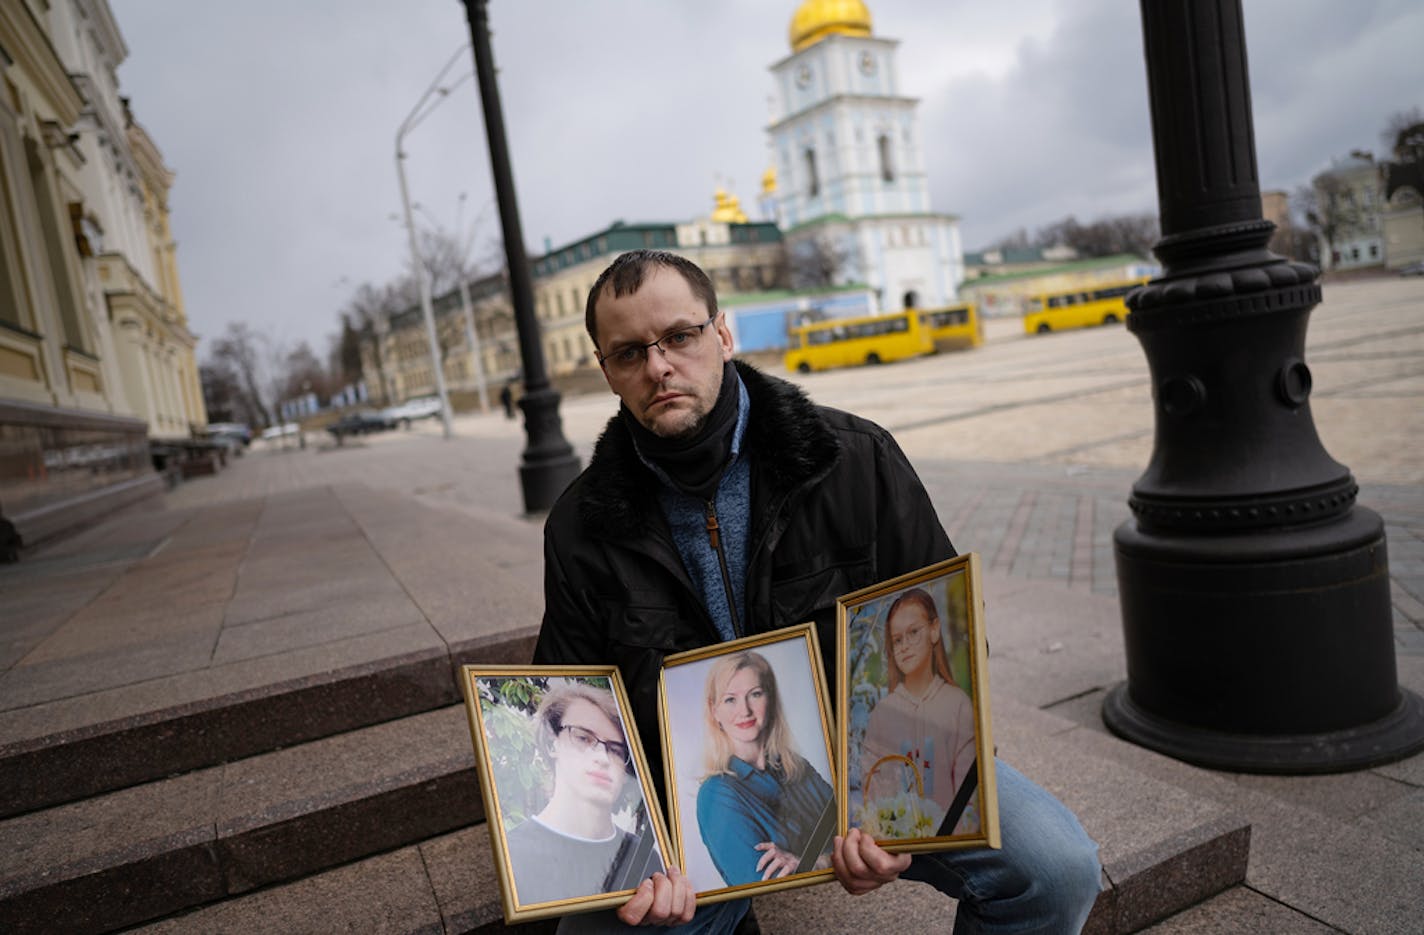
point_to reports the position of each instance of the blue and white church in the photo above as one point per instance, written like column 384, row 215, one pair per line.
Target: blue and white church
column 851, row 184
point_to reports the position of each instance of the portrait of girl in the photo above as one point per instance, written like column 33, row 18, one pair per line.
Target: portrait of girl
column 911, row 737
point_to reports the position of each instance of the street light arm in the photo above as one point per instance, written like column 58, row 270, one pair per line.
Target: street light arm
column 418, row 112
column 415, row 115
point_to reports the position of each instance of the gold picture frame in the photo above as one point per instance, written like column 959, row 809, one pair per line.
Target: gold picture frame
column 785, row 734
column 910, row 776
column 547, row 746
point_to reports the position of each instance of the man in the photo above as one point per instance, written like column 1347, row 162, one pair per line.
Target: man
column 719, row 502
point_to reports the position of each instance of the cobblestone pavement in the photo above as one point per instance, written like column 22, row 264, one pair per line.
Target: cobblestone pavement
column 1028, row 445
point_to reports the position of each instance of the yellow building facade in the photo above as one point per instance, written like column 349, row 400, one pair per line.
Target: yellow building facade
column 96, row 359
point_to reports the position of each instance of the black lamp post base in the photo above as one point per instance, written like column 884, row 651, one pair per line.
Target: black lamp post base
column 1393, row 737
column 543, row 482
column 549, row 464
column 1262, row 651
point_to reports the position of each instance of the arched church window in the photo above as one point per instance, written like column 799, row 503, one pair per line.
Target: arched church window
column 887, row 165
column 813, row 180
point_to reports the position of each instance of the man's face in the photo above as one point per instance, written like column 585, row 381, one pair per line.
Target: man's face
column 669, row 394
column 582, row 764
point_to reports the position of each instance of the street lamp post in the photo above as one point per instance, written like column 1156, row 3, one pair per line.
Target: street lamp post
column 472, row 336
column 472, row 339
column 1254, row 590
column 549, row 462
column 422, row 276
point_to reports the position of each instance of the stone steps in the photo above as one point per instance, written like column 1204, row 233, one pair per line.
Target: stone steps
column 382, row 825
column 88, row 755
column 166, row 846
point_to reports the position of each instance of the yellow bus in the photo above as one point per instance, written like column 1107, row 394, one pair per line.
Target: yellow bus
column 953, row 326
column 1078, row 308
column 848, row 342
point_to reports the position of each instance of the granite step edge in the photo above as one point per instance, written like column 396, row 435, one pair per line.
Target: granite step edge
column 70, row 765
column 211, row 852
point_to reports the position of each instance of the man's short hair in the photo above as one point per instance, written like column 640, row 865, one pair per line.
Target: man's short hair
column 625, row 276
column 549, row 718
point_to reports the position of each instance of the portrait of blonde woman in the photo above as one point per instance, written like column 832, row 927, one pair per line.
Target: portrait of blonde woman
column 762, row 807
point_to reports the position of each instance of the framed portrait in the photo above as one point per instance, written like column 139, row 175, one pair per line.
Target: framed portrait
column 748, row 760
column 573, row 819
column 913, row 706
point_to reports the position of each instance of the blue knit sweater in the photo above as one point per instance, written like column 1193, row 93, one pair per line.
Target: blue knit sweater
column 687, row 518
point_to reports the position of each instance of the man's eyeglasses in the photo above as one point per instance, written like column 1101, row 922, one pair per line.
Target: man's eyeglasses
column 678, row 344
column 586, row 740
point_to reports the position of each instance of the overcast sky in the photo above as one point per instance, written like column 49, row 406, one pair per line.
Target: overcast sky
column 279, row 119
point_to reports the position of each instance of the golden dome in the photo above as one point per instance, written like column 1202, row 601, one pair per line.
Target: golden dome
column 768, row 181
column 729, row 208
column 814, row 20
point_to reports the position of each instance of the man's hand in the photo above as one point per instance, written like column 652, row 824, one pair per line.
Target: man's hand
column 862, row 865
column 776, row 862
column 661, row 900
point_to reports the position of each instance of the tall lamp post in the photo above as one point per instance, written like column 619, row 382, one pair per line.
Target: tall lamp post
column 1254, row 590
column 472, row 335
column 549, row 462
column 467, row 308
column 433, row 95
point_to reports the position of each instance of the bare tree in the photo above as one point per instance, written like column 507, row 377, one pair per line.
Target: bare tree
column 1108, row 236
column 1403, row 135
column 1293, row 237
column 344, row 354
column 818, row 262
column 369, row 311
column 240, row 351
column 446, row 260
column 222, row 393
column 1329, row 208
column 303, row 373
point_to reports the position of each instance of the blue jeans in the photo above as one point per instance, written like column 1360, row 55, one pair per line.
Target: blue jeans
column 1044, row 879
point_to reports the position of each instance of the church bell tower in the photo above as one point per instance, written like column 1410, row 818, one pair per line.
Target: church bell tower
column 850, row 168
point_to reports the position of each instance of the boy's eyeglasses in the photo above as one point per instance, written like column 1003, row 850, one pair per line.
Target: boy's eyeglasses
column 678, row 344
column 586, row 740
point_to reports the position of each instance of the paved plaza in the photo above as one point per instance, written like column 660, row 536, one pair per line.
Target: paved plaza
column 247, row 679
column 1029, row 445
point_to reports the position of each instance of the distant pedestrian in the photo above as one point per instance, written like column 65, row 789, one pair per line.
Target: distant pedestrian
column 506, row 398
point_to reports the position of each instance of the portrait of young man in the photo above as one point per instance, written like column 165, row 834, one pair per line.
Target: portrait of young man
column 720, row 501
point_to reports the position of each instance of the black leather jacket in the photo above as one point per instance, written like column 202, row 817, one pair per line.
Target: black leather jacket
column 835, row 507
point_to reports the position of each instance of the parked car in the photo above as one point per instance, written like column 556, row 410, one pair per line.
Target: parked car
column 422, row 407
column 362, row 422
column 235, row 430
column 1413, row 269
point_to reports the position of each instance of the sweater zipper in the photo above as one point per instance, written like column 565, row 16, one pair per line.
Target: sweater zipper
column 714, row 536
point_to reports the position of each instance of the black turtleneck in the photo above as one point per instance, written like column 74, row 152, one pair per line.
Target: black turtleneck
column 694, row 462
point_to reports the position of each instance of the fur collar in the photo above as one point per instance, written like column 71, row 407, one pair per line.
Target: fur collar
column 788, row 438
